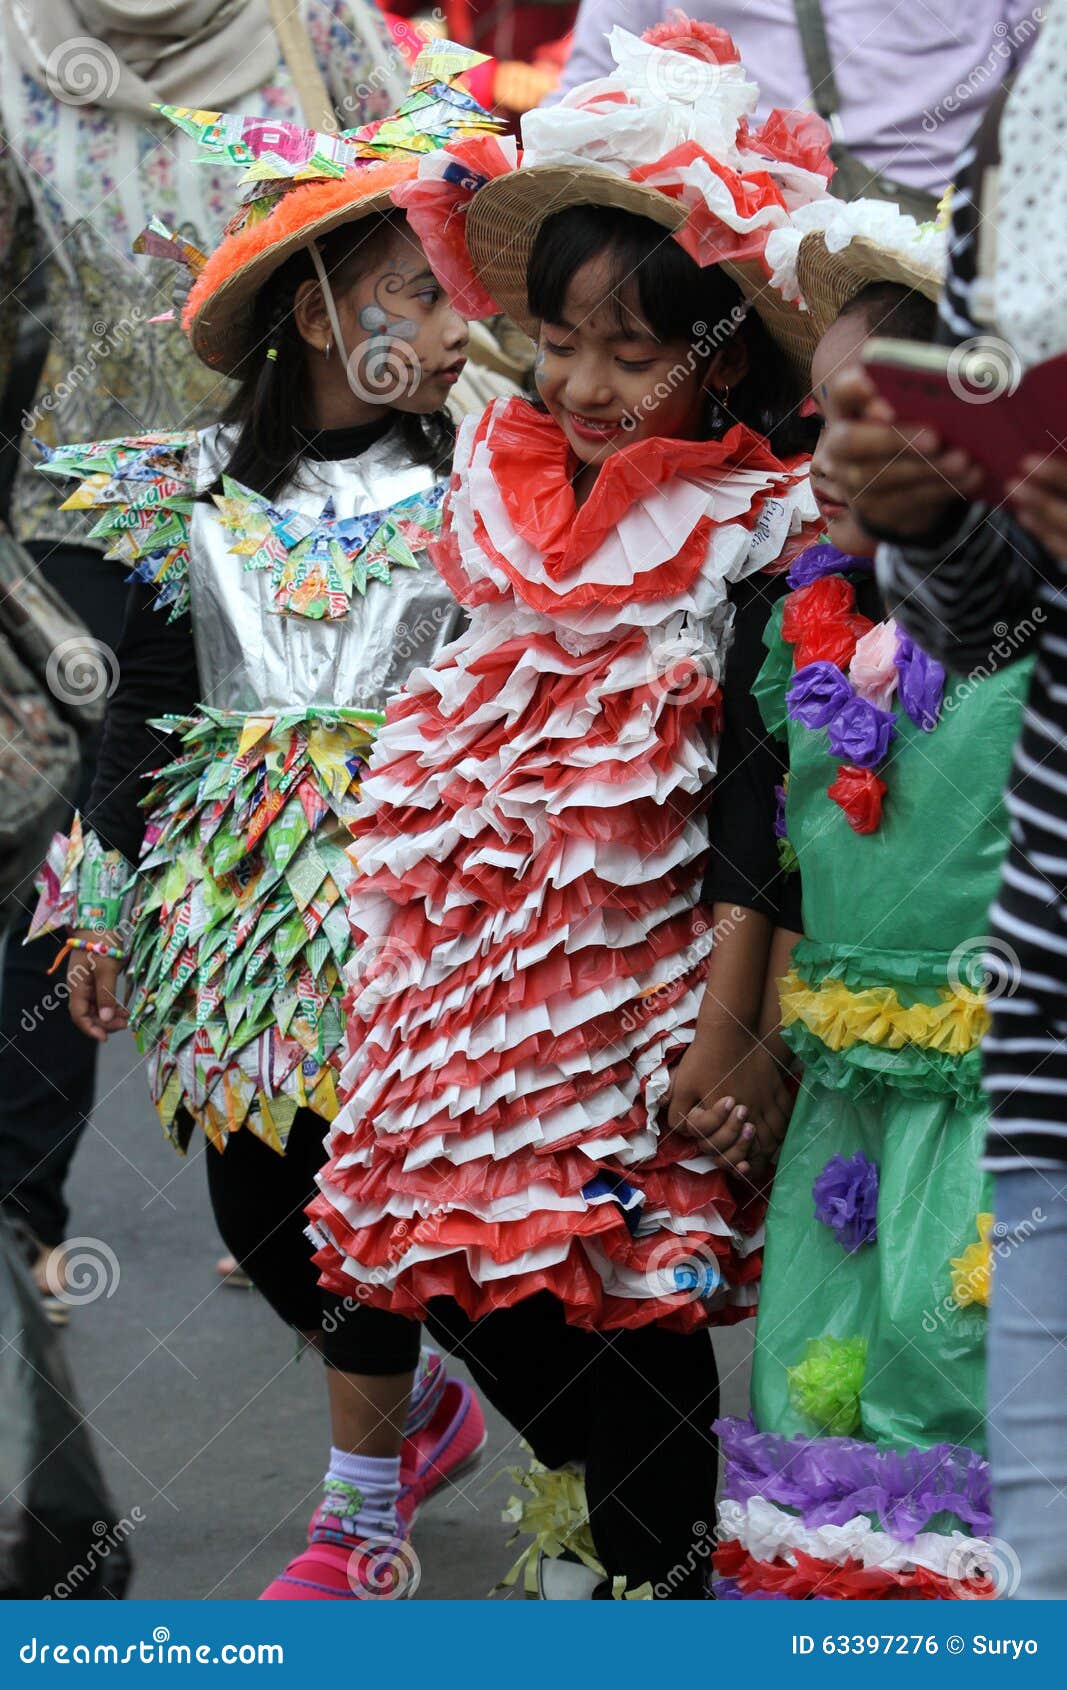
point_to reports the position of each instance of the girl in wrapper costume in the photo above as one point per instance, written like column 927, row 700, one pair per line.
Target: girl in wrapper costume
column 533, row 833
column 281, row 594
column 862, row 1473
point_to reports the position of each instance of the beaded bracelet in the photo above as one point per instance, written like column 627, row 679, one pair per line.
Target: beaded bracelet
column 96, row 946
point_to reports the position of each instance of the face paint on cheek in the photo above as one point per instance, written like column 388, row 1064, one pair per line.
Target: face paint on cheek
column 378, row 322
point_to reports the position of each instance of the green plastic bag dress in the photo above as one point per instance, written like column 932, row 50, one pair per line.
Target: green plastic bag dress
column 864, row 1475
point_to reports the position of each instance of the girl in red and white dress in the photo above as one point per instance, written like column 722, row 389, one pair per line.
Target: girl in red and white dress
column 534, row 821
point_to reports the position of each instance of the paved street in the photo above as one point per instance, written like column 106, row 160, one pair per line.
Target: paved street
column 205, row 1418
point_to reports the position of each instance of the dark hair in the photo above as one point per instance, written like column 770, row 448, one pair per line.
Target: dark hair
column 894, row 311
column 679, row 300
column 269, row 406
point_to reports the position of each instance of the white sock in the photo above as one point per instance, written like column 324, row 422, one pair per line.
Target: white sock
column 362, row 1491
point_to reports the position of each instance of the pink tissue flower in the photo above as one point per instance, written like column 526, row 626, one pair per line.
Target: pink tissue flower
column 872, row 670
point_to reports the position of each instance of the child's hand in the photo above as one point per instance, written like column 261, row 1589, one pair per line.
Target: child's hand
column 1040, row 500
column 93, row 981
column 724, row 1130
column 898, row 479
column 731, row 1095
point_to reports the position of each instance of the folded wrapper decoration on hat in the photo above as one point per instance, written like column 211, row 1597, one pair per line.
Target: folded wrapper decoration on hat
column 298, row 184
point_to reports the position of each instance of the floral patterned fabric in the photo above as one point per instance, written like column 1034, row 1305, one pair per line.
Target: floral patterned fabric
column 85, row 181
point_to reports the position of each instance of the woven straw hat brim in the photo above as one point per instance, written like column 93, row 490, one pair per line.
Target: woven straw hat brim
column 221, row 332
column 831, row 280
column 505, row 217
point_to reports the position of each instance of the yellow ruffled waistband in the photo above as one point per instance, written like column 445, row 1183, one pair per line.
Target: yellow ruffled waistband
column 840, row 1017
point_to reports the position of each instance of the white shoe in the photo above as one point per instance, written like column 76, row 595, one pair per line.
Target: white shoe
column 564, row 1578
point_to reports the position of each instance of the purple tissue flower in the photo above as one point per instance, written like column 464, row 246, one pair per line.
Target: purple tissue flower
column 823, row 559
column 846, row 1199
column 860, row 733
column 920, row 683
column 817, row 693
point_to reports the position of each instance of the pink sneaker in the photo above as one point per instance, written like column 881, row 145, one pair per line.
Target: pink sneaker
column 364, row 1570
column 450, row 1444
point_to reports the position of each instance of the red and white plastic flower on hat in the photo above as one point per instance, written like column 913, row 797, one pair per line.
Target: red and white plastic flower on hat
column 674, row 114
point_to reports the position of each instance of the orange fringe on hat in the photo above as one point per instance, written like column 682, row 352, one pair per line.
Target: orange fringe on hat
column 299, row 208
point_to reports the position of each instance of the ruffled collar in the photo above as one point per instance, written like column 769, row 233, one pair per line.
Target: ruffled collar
column 534, row 467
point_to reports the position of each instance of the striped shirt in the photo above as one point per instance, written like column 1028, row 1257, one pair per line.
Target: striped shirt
column 985, row 595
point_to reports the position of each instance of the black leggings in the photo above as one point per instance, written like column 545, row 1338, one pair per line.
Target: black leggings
column 636, row 1407
column 259, row 1200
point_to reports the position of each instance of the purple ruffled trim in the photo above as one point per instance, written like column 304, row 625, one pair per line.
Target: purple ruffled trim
column 823, row 559
column 728, row 1590
column 846, row 1199
column 831, row 1480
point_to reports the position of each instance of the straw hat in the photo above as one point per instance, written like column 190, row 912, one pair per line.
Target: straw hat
column 505, row 217
column 831, row 280
column 219, row 312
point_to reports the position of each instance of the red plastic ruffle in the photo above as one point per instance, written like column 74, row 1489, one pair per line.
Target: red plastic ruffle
column 849, row 1582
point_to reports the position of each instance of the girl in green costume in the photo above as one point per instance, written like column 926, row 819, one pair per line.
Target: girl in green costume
column 862, row 1473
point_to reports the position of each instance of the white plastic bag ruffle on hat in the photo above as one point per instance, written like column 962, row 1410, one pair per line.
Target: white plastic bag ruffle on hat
column 842, row 221
column 681, row 124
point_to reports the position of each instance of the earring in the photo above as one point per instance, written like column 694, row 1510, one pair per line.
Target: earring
column 723, row 396
column 328, row 347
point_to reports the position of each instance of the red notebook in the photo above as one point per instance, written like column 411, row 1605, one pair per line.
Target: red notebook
column 975, row 400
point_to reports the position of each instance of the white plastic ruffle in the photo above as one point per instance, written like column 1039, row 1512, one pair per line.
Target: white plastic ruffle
column 655, row 101
column 770, row 1533
column 841, row 221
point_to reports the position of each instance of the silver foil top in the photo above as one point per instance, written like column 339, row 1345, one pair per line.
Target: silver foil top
column 251, row 657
